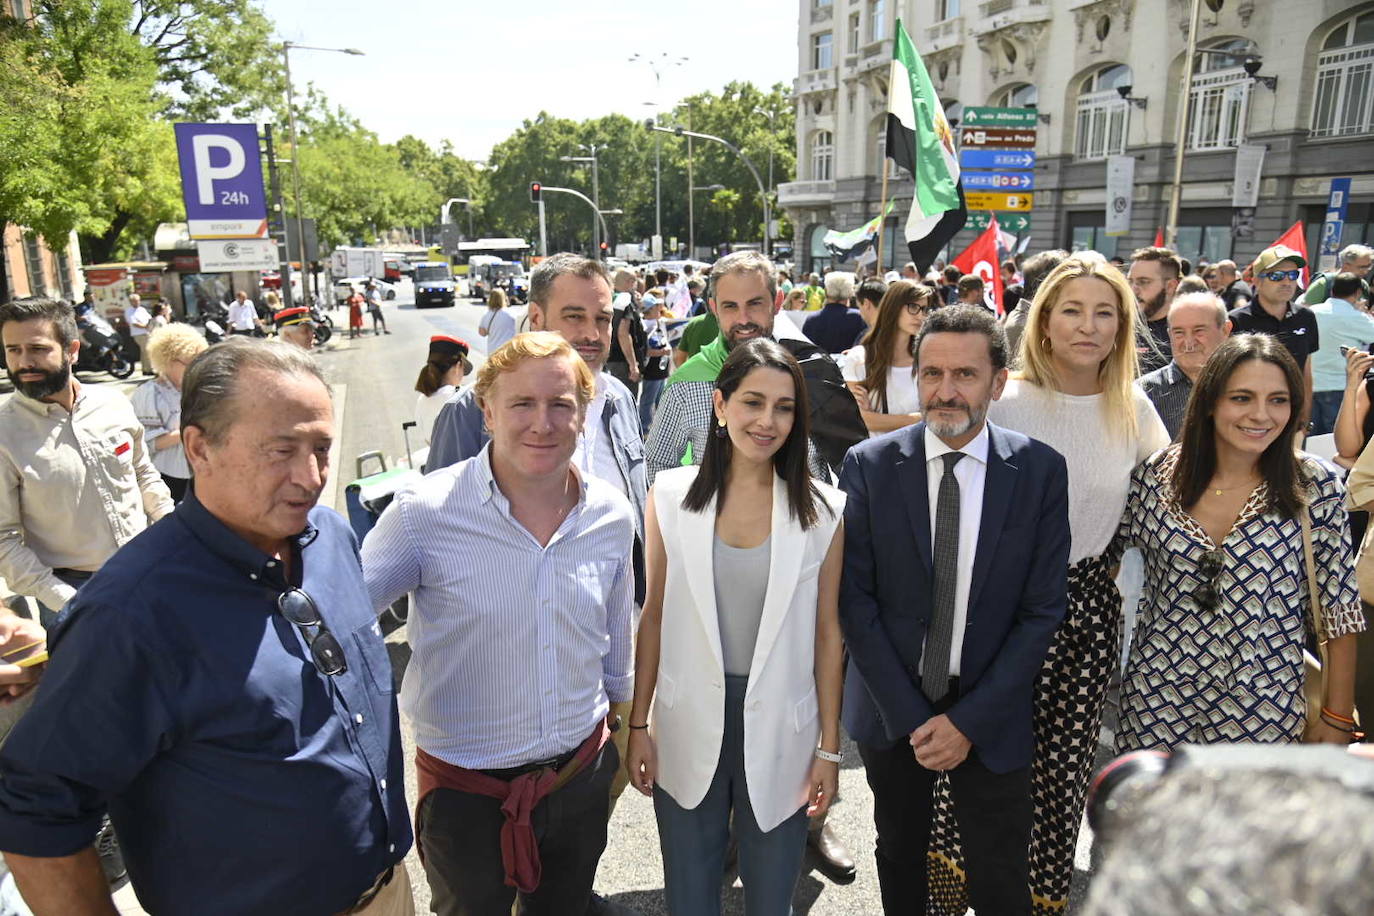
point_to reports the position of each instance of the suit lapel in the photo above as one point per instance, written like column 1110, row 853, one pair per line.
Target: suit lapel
column 697, row 532
column 786, row 551
column 999, row 482
column 915, row 483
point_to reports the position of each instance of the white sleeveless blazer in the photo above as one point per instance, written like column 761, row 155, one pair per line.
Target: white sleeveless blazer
column 781, row 715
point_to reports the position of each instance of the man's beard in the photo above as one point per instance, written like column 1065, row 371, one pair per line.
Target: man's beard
column 946, row 430
column 51, row 382
column 732, row 339
column 1153, row 307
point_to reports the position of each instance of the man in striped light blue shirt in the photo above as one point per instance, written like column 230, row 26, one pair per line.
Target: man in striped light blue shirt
column 521, row 631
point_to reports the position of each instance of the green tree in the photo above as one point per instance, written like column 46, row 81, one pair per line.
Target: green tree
column 77, row 114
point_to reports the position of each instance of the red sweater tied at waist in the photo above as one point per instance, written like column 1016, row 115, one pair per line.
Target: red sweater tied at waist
column 518, row 797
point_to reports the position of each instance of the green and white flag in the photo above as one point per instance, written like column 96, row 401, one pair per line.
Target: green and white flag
column 847, row 246
column 920, row 140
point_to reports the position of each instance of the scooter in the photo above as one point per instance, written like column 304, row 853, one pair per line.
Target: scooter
column 102, row 349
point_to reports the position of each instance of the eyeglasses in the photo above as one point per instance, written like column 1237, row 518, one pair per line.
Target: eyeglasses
column 1209, row 568
column 1280, row 275
column 300, row 609
column 916, row 308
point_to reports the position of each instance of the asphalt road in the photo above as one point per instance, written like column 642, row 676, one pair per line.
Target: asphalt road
column 373, row 379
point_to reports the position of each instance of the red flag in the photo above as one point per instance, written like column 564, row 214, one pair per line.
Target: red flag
column 980, row 258
column 1295, row 238
column 1159, row 237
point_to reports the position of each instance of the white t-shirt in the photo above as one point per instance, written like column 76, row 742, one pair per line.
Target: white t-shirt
column 500, row 328
column 1099, row 461
column 427, row 409
column 902, row 394
column 595, row 453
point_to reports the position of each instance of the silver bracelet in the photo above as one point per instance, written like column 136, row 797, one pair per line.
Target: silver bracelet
column 826, row 755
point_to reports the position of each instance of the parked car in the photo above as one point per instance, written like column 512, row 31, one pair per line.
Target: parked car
column 397, row 269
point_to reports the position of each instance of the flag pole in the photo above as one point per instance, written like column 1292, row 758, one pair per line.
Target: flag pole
column 882, row 218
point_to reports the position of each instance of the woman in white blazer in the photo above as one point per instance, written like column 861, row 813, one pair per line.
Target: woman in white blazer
column 740, row 645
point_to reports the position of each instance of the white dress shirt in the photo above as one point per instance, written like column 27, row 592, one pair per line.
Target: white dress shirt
column 971, row 472
column 243, row 316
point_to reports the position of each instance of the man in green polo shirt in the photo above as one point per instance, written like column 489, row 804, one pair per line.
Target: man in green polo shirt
column 700, row 331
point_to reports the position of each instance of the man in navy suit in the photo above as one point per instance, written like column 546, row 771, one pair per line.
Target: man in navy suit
column 956, row 543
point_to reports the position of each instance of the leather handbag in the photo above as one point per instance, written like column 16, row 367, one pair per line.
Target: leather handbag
column 1313, row 682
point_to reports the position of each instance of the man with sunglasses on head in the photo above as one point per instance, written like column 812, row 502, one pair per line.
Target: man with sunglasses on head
column 1276, row 275
column 221, row 687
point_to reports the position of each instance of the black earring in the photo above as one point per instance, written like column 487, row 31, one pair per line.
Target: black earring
column 721, row 432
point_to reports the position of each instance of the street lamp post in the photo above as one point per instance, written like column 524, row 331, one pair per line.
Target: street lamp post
column 286, row 47
column 657, row 64
column 767, row 205
column 592, row 149
column 691, row 215
column 467, row 205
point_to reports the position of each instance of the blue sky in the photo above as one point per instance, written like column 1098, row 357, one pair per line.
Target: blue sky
column 470, row 72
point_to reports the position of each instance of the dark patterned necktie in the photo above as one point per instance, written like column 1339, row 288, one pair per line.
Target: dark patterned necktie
column 935, row 663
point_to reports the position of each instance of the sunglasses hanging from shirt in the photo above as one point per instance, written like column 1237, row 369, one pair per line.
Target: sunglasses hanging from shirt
column 299, row 608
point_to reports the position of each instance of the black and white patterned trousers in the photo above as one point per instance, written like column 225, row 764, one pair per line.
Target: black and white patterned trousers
column 1069, row 697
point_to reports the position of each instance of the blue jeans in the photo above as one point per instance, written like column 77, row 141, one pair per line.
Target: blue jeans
column 693, row 841
column 649, row 390
column 1325, row 406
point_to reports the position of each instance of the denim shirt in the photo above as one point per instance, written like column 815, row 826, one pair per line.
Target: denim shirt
column 239, row 779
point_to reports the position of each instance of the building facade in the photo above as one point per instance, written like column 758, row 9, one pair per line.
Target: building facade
column 1105, row 79
column 33, row 268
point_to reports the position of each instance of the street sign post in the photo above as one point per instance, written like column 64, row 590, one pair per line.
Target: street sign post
column 985, row 116
column 1334, row 223
column 996, row 159
column 221, row 180
column 1015, row 223
column 999, row 181
column 1000, row 138
column 991, row 200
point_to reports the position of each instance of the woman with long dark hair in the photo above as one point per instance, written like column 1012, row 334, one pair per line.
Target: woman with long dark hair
column 444, row 370
column 881, row 371
column 739, row 645
column 1219, row 517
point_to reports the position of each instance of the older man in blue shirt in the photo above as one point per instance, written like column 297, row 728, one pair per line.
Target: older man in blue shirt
column 221, row 686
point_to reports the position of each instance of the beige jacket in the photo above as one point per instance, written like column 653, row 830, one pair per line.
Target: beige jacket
column 1360, row 484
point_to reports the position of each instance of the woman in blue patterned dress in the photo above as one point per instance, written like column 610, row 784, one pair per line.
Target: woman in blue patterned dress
column 1217, row 655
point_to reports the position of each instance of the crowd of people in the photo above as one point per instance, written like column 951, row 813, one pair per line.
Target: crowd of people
column 899, row 514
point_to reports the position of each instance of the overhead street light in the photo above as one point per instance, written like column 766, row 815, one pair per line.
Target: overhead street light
column 767, row 205
column 286, row 48
column 592, row 149
column 658, row 63
column 467, row 205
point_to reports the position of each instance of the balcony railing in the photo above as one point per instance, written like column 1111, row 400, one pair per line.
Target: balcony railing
column 805, row 193
column 815, row 81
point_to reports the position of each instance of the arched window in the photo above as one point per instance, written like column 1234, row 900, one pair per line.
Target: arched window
column 878, row 133
column 1344, row 102
column 1102, row 113
column 1024, row 95
column 823, row 156
column 1220, row 96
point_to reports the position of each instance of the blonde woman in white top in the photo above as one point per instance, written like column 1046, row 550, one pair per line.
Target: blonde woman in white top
column 1075, row 392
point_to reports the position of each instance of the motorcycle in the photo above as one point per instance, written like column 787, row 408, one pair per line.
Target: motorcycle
column 322, row 333
column 102, row 349
column 209, row 321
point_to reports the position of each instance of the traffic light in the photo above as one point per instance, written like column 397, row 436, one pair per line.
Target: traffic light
column 604, row 247
column 535, row 189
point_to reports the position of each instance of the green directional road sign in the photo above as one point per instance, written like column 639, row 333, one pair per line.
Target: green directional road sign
column 983, row 116
column 1015, row 223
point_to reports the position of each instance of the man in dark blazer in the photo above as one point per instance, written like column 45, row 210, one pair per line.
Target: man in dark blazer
column 956, row 547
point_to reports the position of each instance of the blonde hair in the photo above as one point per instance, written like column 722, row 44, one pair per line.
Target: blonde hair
column 497, row 300
column 272, row 300
column 1118, row 371
column 534, row 345
column 174, row 343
